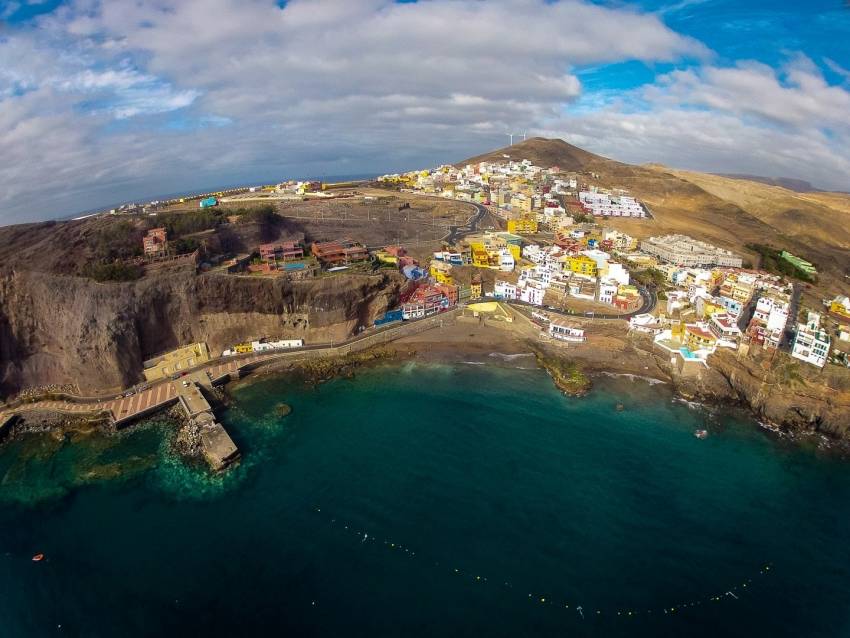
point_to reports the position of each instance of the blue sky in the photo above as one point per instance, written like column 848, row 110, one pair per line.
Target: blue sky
column 106, row 101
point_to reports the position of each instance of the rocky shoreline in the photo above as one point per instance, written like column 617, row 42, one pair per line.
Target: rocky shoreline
column 810, row 412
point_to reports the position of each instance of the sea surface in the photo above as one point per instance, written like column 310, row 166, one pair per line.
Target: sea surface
column 431, row 500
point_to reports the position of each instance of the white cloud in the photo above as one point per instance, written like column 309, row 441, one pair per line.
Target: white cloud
column 102, row 101
column 747, row 118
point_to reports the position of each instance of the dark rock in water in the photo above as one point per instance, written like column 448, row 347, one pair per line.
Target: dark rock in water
column 620, row 407
column 282, row 409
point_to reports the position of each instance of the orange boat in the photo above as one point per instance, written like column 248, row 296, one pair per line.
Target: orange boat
column 38, row 558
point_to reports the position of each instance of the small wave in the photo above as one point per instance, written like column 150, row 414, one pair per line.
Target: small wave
column 634, row 377
column 693, row 405
column 473, row 363
column 510, row 357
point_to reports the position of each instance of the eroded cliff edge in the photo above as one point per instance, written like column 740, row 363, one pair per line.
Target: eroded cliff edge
column 778, row 390
column 64, row 329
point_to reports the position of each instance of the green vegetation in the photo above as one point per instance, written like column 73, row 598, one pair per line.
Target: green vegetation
column 566, row 373
column 263, row 215
column 650, row 276
column 112, row 271
column 772, row 262
column 184, row 245
column 179, row 224
column 120, row 240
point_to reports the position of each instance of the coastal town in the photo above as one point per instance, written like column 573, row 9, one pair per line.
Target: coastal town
column 532, row 242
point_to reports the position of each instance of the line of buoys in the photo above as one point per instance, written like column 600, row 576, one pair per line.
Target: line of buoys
column 730, row 594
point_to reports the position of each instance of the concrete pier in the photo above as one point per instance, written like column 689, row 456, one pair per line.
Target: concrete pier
column 218, row 448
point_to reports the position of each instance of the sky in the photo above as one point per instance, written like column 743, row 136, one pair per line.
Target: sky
column 121, row 100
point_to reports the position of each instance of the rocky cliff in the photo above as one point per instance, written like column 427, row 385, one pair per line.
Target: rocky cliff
column 57, row 329
column 780, row 390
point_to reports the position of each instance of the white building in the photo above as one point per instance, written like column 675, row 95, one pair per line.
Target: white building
column 506, row 261
column 618, row 273
column 504, row 290
column 724, row 328
column 811, row 344
column 611, row 205
column 645, row 323
column 606, row 291
column 532, row 292
column 565, row 332
column 773, row 313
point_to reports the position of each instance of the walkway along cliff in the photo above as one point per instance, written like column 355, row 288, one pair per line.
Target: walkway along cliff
column 57, row 329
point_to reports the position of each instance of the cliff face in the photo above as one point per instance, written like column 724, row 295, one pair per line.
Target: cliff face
column 781, row 390
column 62, row 329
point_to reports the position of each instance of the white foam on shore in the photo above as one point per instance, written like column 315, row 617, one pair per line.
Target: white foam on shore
column 510, row 357
column 633, row 377
column 693, row 405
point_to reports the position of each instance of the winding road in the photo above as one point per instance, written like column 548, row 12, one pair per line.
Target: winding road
column 456, row 233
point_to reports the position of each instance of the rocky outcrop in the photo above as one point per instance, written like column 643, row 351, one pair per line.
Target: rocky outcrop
column 63, row 329
column 567, row 374
column 778, row 389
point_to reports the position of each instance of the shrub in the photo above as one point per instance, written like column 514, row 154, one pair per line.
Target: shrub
column 114, row 271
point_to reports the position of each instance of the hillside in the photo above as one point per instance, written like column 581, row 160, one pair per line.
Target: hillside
column 730, row 212
column 543, row 152
column 792, row 184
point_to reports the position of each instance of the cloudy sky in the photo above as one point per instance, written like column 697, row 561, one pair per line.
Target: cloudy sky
column 118, row 100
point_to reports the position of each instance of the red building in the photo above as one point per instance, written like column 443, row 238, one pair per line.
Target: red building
column 155, row 242
column 283, row 251
column 449, row 292
column 330, row 253
column 343, row 251
column 396, row 251
column 354, row 251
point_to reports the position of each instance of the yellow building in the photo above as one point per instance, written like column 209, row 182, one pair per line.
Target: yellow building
column 677, row 330
column 480, row 258
column 243, row 348
column 476, row 289
column 386, row 258
column 441, row 272
column 697, row 338
column 710, row 308
column 522, row 225
column 840, row 306
column 520, row 205
column 176, row 361
column 582, row 264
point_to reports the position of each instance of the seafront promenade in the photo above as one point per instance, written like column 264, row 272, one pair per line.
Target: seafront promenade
column 122, row 409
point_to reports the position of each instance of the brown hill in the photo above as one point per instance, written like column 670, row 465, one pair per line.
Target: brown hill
column 730, row 212
column 791, row 183
column 543, row 152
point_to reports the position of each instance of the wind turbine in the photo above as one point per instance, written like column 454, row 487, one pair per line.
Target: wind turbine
column 511, row 135
column 523, row 135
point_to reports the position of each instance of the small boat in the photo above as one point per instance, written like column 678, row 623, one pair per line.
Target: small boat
column 38, row 558
column 701, row 434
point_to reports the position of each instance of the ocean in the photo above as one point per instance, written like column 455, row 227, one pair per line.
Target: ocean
column 431, row 500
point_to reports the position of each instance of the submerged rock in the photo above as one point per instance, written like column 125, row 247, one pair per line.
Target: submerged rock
column 283, row 409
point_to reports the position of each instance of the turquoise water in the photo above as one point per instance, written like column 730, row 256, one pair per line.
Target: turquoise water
column 428, row 500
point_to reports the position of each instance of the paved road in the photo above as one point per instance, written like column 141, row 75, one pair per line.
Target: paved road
column 162, row 392
column 650, row 298
column 456, row 233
